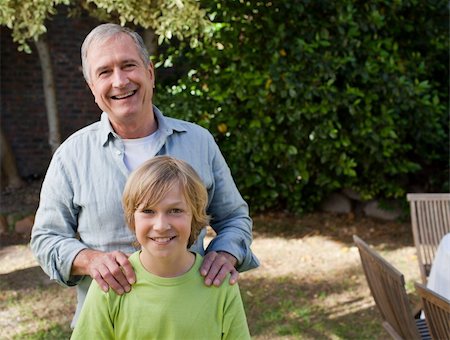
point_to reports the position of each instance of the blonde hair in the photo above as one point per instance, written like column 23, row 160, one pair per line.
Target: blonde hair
column 151, row 181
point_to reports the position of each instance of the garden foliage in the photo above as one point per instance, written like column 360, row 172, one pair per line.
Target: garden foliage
column 306, row 98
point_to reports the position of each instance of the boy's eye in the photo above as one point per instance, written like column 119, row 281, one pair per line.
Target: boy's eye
column 147, row 211
column 176, row 211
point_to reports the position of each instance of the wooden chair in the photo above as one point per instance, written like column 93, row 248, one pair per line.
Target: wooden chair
column 437, row 312
column 387, row 286
column 430, row 220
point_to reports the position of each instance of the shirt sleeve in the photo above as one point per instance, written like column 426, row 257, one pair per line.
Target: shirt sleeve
column 235, row 324
column 230, row 215
column 54, row 236
column 95, row 320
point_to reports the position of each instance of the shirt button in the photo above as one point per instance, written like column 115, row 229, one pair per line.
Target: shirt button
column 118, row 152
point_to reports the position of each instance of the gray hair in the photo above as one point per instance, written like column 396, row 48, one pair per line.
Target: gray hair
column 104, row 32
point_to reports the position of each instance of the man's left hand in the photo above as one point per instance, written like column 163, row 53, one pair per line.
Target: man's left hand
column 216, row 266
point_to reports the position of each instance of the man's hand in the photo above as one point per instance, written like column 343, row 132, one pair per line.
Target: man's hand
column 216, row 266
column 108, row 269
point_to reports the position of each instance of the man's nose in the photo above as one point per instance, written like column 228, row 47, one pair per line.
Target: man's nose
column 120, row 78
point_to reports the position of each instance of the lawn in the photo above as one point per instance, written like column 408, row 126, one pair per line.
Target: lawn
column 310, row 284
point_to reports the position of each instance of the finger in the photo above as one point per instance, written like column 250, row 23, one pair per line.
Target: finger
column 234, row 277
column 208, row 260
column 222, row 274
column 119, row 277
column 116, row 281
column 215, row 270
column 102, row 283
column 110, row 271
column 126, row 267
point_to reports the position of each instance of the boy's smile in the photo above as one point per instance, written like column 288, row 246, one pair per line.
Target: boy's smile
column 163, row 230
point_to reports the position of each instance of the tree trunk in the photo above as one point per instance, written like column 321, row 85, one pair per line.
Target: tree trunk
column 54, row 132
column 9, row 166
column 150, row 41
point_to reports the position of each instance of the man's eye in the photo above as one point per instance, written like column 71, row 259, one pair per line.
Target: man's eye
column 103, row 73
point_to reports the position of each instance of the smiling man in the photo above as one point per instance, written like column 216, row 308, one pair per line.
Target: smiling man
column 122, row 84
column 80, row 233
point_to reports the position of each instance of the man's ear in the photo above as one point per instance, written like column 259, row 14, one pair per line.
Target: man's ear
column 150, row 66
column 91, row 87
column 151, row 70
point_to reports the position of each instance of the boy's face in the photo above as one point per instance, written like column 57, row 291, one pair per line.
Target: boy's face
column 163, row 230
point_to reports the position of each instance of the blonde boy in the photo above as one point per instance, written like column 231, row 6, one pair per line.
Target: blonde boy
column 164, row 202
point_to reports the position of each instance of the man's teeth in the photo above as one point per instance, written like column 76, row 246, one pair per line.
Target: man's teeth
column 121, row 96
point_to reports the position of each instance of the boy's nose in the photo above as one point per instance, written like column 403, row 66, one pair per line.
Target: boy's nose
column 161, row 223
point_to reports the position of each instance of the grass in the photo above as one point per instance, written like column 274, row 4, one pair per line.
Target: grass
column 310, row 284
column 55, row 331
column 283, row 308
column 33, row 308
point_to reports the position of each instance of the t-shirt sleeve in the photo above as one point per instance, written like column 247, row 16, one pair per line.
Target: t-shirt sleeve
column 235, row 321
column 95, row 320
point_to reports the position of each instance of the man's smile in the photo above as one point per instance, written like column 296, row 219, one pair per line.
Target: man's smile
column 124, row 95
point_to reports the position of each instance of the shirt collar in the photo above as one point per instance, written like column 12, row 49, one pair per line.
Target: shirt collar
column 166, row 126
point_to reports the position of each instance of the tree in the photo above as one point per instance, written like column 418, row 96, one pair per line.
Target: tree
column 183, row 19
column 307, row 98
column 162, row 18
column 8, row 162
column 26, row 19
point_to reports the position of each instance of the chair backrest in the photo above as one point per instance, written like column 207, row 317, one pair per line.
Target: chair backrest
column 437, row 312
column 387, row 286
column 430, row 220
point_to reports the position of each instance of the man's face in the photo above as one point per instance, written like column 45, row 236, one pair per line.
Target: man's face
column 119, row 80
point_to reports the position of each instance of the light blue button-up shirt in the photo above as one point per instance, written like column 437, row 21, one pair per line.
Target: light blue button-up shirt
column 80, row 204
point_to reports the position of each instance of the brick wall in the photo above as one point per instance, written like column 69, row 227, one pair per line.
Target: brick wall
column 23, row 114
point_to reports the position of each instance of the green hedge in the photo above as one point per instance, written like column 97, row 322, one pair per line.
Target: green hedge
column 309, row 97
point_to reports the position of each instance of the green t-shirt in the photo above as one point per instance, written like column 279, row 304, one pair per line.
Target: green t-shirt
column 164, row 308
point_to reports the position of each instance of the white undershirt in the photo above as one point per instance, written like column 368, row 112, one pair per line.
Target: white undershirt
column 138, row 150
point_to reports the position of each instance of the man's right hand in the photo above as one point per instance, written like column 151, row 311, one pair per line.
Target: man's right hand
column 108, row 269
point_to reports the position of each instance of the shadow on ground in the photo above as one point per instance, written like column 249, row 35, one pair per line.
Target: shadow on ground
column 338, row 227
column 24, row 279
column 324, row 309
